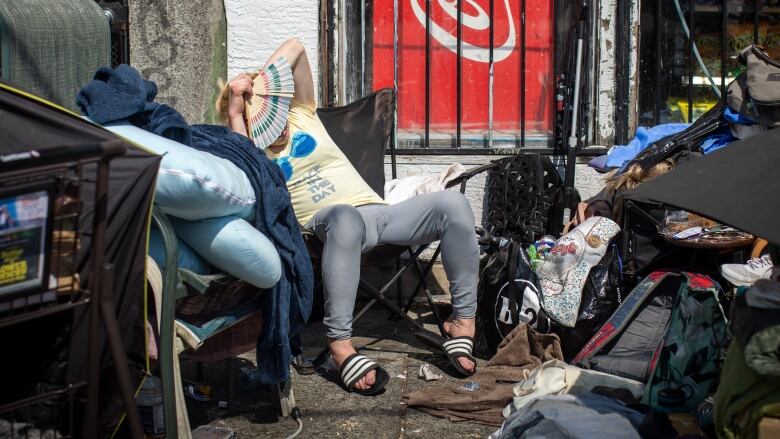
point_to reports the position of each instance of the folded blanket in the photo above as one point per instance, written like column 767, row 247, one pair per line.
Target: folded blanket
column 122, row 94
column 572, row 417
column 521, row 350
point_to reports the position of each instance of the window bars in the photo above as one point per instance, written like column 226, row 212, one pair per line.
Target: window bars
column 473, row 76
column 673, row 85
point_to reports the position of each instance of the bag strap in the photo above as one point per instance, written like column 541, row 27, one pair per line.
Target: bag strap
column 513, row 261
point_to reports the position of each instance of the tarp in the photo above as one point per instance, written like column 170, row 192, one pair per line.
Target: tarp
column 736, row 185
column 46, row 352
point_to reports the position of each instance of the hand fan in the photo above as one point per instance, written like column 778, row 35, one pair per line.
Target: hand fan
column 267, row 110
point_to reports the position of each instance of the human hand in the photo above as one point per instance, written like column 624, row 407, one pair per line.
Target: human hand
column 240, row 91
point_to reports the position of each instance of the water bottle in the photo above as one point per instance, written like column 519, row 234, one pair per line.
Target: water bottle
column 150, row 407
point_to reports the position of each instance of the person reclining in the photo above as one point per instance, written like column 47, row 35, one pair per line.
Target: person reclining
column 330, row 198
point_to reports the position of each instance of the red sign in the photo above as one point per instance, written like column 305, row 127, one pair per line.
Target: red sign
column 475, row 28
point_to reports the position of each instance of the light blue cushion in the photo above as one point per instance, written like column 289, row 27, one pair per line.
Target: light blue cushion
column 234, row 246
column 187, row 257
column 193, row 184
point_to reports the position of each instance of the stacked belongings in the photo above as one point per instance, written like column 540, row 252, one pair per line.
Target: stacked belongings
column 640, row 362
column 750, row 107
column 638, row 318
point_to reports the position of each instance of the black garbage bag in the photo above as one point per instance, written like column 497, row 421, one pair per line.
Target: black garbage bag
column 689, row 139
column 508, row 294
column 602, row 294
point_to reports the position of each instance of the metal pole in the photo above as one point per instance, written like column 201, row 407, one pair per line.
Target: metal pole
column 362, row 48
column 571, row 160
column 427, row 143
column 394, row 140
column 459, row 76
column 522, row 73
column 691, row 40
column 343, row 52
column 94, row 340
column 114, row 337
column 490, row 78
column 658, row 66
column 723, row 50
column 99, row 291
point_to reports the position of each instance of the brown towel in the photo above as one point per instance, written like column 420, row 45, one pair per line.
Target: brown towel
column 522, row 349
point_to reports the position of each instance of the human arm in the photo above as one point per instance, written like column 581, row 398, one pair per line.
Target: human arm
column 239, row 90
column 232, row 103
column 295, row 54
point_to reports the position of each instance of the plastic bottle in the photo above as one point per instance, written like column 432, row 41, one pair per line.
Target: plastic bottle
column 150, row 407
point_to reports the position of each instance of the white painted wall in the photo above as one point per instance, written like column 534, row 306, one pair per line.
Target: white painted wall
column 605, row 92
column 255, row 28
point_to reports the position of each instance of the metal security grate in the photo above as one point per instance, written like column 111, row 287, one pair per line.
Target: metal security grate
column 673, row 85
column 473, row 76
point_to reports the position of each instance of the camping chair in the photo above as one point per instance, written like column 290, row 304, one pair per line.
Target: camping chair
column 238, row 337
column 371, row 120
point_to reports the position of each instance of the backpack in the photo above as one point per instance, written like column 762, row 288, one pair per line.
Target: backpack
column 670, row 333
column 508, row 294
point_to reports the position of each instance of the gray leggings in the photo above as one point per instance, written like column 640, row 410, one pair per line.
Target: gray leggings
column 348, row 231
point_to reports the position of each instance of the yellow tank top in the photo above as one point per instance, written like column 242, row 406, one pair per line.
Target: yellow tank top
column 318, row 174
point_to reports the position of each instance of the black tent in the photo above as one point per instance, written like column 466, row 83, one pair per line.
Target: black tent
column 48, row 352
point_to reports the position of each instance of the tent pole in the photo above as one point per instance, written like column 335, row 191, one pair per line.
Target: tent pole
column 571, row 159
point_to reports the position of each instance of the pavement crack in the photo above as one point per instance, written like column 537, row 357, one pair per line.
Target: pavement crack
column 402, row 410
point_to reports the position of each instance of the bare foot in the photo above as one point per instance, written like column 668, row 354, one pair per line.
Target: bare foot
column 340, row 350
column 461, row 327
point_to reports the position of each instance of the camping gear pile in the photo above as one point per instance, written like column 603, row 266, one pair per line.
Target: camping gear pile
column 648, row 316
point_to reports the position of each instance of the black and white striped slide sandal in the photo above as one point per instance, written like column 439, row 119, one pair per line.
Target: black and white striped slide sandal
column 458, row 347
column 355, row 367
column 454, row 348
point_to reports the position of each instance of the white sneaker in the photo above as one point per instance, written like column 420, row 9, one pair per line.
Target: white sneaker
column 749, row 273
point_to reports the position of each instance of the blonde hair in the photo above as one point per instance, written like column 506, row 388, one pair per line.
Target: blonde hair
column 223, row 101
column 635, row 175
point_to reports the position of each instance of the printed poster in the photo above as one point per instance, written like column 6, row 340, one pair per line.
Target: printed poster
column 23, row 221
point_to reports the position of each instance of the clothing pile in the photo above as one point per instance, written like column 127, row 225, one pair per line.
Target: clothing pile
column 632, row 301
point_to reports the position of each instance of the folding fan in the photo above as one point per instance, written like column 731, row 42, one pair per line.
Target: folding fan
column 267, row 111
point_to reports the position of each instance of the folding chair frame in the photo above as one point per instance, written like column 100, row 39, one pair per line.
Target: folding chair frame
column 305, row 367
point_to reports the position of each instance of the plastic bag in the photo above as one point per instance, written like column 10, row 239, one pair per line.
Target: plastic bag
column 601, row 296
column 690, row 139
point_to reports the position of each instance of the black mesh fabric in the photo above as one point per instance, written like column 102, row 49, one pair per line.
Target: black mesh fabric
column 363, row 130
column 519, row 193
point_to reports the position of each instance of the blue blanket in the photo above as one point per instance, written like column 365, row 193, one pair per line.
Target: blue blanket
column 286, row 308
column 121, row 94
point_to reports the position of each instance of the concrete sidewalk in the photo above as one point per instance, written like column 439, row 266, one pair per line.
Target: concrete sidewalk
column 327, row 410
